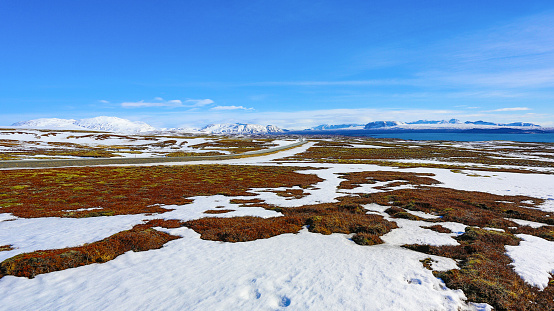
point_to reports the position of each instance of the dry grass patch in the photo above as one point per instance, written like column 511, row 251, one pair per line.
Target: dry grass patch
column 140, row 238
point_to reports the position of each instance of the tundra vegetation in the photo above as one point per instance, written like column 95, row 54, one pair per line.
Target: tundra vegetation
column 522, row 157
column 485, row 272
column 44, row 144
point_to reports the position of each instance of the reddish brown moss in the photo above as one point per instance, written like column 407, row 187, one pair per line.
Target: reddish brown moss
column 5, row 248
column 485, row 274
column 218, row 211
column 438, row 228
column 321, row 218
column 371, row 177
column 242, row 229
column 291, row 193
column 468, row 207
column 398, row 212
column 139, row 238
column 107, row 191
column 399, row 151
column 363, row 238
column 546, row 232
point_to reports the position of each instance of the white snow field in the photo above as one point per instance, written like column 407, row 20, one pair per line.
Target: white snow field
column 304, row 271
column 53, row 143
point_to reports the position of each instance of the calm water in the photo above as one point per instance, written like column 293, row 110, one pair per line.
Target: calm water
column 536, row 137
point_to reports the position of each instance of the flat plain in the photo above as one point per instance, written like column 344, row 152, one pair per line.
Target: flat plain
column 334, row 224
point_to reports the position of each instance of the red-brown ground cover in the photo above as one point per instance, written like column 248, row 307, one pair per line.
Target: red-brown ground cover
column 485, row 274
column 371, row 177
column 106, row 191
column 468, row 207
column 5, row 248
column 344, row 217
column 140, row 238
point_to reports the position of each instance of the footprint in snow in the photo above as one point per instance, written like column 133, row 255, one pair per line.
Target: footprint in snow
column 285, row 302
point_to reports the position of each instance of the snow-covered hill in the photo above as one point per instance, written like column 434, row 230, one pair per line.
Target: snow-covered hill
column 114, row 124
column 103, row 123
column 451, row 121
column 49, row 123
column 382, row 124
column 239, row 128
column 443, row 124
column 323, row 127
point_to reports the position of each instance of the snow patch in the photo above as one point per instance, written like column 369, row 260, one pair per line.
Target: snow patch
column 533, row 259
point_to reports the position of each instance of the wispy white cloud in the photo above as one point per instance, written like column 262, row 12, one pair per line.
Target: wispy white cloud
column 231, row 108
column 103, row 101
column 511, row 109
column 198, row 102
column 142, row 103
column 174, row 103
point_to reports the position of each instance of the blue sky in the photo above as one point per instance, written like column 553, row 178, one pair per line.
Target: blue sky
column 294, row 64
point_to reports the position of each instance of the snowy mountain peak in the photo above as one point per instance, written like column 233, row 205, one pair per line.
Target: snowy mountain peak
column 337, row 127
column 114, row 124
column 47, row 123
column 451, row 121
column 108, row 124
column 240, row 128
column 381, row 124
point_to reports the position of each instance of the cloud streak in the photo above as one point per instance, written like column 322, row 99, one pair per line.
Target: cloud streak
column 511, row 109
column 220, row 108
column 174, row 103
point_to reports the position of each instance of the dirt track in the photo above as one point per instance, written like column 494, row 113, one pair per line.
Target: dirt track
column 111, row 161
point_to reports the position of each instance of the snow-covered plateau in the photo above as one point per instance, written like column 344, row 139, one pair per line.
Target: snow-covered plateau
column 305, row 270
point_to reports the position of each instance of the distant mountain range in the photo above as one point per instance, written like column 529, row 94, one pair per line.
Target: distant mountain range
column 119, row 125
column 239, row 128
column 451, row 124
column 337, row 127
column 451, row 121
column 107, row 124
column 422, row 124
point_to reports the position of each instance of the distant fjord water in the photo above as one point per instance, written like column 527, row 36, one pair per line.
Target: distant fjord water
column 501, row 134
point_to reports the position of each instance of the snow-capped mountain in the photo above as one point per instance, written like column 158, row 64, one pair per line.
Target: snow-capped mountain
column 49, row 123
column 239, row 128
column 451, row 121
column 108, row 124
column 424, row 124
column 323, row 127
column 382, row 124
column 114, row 124
column 443, row 124
column 517, row 124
